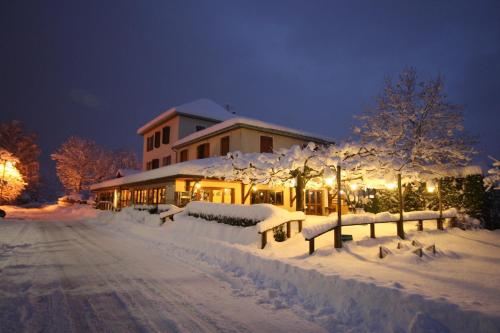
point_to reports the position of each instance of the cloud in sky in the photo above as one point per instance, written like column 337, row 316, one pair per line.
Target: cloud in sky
column 85, row 98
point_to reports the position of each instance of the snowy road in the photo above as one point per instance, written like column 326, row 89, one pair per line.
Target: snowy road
column 74, row 276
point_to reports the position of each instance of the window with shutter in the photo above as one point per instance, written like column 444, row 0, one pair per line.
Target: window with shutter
column 266, row 144
column 184, row 155
column 224, row 146
column 157, row 139
column 167, row 160
column 203, row 151
column 155, row 164
column 166, row 135
column 149, row 143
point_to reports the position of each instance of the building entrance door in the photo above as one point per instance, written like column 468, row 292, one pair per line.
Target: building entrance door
column 314, row 202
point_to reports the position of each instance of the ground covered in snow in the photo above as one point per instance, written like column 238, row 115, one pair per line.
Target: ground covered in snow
column 76, row 275
column 191, row 274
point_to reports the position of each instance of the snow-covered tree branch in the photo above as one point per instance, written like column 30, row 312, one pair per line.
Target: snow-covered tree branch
column 492, row 180
column 11, row 180
column 298, row 166
column 415, row 128
column 81, row 162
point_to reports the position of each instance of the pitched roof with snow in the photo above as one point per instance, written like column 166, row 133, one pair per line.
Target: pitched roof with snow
column 188, row 168
column 201, row 108
column 253, row 124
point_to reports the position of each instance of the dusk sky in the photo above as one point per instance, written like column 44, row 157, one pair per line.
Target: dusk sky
column 101, row 69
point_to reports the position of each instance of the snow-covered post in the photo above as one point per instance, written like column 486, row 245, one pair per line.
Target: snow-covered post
column 338, row 230
column 400, row 228
column 440, row 203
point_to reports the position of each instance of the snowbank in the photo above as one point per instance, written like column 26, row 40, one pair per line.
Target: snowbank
column 51, row 212
column 352, row 289
column 320, row 225
column 132, row 215
column 265, row 216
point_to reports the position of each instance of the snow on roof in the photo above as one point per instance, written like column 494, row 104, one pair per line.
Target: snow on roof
column 191, row 168
column 201, row 108
column 253, row 123
column 126, row 172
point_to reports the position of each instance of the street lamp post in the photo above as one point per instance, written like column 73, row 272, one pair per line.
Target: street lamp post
column 3, row 179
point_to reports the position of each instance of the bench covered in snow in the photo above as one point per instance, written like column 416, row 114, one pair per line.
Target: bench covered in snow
column 265, row 217
column 169, row 214
column 311, row 231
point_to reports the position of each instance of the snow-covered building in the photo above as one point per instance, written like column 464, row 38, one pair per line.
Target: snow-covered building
column 184, row 140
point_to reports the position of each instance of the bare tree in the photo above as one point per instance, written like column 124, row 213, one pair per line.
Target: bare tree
column 76, row 164
column 81, row 163
column 415, row 130
column 415, row 127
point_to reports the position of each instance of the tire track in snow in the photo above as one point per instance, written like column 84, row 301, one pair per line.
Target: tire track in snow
column 274, row 321
column 157, row 292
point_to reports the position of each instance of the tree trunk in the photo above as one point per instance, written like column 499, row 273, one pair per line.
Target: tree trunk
column 299, row 193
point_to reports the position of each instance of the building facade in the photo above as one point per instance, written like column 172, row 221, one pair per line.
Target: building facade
column 182, row 141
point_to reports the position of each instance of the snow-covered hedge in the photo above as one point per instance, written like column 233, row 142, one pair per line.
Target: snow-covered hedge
column 311, row 230
column 265, row 216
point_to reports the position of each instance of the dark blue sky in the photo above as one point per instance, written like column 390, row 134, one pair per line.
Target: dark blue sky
column 100, row 69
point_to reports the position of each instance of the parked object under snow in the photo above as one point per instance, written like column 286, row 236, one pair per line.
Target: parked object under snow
column 265, row 216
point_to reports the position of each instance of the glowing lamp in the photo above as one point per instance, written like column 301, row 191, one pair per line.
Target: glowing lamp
column 431, row 188
column 329, row 181
column 391, row 186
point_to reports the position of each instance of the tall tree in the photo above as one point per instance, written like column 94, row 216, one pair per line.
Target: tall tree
column 81, row 163
column 76, row 164
column 415, row 127
column 416, row 131
column 23, row 145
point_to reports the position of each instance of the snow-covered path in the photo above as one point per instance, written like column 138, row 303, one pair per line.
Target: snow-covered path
column 64, row 276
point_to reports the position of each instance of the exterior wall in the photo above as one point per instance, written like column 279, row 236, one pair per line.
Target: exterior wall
column 242, row 139
column 236, row 191
column 180, row 126
column 163, row 150
column 250, row 142
column 187, row 125
column 235, row 138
